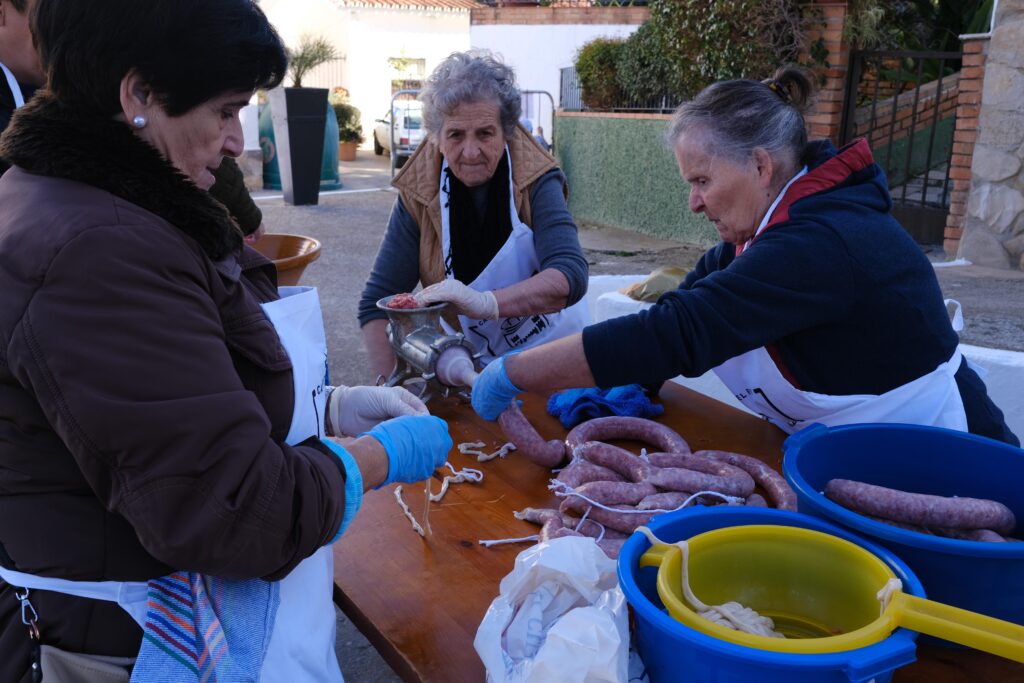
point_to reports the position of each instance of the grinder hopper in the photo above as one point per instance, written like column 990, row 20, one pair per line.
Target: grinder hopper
column 424, row 350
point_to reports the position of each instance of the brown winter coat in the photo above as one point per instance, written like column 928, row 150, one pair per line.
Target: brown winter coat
column 144, row 396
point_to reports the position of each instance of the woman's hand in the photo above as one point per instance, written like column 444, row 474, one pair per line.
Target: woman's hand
column 353, row 410
column 416, row 445
column 464, row 300
column 254, row 236
column 493, row 390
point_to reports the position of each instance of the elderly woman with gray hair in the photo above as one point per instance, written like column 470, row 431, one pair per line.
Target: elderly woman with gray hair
column 816, row 306
column 481, row 221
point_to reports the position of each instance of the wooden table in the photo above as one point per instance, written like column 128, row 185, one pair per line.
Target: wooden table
column 420, row 601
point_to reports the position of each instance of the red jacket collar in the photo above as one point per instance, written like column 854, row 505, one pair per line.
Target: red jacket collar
column 854, row 157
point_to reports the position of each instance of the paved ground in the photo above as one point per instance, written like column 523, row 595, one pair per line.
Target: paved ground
column 350, row 224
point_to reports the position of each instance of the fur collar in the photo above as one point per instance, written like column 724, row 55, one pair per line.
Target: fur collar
column 47, row 138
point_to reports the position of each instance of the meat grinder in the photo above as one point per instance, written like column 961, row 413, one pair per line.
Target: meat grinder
column 424, row 351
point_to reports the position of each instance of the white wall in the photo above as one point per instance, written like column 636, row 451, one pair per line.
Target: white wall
column 537, row 52
column 375, row 34
column 366, row 37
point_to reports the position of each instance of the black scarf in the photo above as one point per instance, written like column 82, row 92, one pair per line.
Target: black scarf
column 47, row 138
column 476, row 237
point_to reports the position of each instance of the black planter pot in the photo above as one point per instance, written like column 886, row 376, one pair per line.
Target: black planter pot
column 299, row 115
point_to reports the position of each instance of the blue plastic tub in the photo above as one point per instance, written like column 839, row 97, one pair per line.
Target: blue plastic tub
column 981, row 577
column 675, row 652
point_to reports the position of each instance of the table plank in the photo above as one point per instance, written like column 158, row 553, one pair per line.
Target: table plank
column 420, row 601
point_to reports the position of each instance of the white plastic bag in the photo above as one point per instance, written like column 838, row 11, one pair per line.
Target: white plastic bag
column 560, row 616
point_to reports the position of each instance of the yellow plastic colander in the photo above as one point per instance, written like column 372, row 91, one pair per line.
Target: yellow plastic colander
column 820, row 590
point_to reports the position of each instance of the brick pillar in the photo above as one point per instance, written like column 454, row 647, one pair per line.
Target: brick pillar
column 968, row 105
column 827, row 18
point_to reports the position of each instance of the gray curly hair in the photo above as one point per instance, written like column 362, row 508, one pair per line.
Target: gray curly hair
column 473, row 76
column 741, row 115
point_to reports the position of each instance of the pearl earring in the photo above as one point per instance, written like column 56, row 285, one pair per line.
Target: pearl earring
column 139, row 122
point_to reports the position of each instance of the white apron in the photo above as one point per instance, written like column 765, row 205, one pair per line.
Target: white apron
column 12, row 83
column 301, row 646
column 931, row 400
column 515, row 261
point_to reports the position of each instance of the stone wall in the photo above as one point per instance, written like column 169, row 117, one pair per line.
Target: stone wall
column 993, row 232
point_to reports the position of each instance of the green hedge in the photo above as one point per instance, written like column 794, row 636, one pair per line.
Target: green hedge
column 621, row 175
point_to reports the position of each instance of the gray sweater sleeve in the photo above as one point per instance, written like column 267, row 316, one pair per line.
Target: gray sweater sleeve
column 397, row 268
column 554, row 237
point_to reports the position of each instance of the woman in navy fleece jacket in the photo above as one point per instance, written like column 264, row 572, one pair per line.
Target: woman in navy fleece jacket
column 816, row 306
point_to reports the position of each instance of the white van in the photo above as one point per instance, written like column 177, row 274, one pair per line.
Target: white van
column 405, row 122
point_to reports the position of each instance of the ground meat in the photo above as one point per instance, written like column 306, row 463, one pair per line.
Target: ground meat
column 403, row 300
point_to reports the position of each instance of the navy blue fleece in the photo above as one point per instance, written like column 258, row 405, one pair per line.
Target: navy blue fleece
column 848, row 299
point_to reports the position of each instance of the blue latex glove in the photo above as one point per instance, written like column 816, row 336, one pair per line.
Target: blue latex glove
column 416, row 446
column 493, row 390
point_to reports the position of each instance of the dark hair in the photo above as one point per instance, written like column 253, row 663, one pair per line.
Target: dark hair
column 19, row 5
column 188, row 51
column 742, row 115
column 473, row 76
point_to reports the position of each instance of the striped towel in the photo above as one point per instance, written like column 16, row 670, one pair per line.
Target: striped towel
column 207, row 629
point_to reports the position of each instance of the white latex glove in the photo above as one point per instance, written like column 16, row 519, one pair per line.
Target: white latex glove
column 465, row 300
column 354, row 410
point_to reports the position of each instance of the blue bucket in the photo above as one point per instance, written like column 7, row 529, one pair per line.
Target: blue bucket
column 976, row 576
column 674, row 652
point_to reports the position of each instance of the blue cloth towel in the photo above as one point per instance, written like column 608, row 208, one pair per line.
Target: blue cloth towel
column 203, row 629
column 573, row 406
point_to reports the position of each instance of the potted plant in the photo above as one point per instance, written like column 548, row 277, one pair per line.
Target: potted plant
column 299, row 115
column 350, row 129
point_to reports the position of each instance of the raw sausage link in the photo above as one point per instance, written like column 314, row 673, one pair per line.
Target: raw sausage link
column 700, row 463
column 590, row 528
column 971, row 534
column 581, row 471
column 618, row 460
column 624, row 522
column 540, row 516
column 560, row 532
column 679, row 479
column 632, row 428
column 756, row 500
column 616, row 492
column 666, row 500
column 519, row 431
column 920, row 508
column 962, row 534
column 778, row 490
column 612, row 546
column 536, row 515
column 553, row 528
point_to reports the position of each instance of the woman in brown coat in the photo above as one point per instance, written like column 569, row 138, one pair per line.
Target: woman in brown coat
column 152, row 412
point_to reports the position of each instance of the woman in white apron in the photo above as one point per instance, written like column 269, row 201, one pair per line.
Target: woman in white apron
column 297, row 640
column 161, row 406
column 514, row 264
column 816, row 306
column 481, row 221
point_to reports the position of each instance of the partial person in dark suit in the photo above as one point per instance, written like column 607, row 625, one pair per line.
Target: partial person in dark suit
column 19, row 63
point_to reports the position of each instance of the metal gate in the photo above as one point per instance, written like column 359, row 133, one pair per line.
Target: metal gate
column 904, row 103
